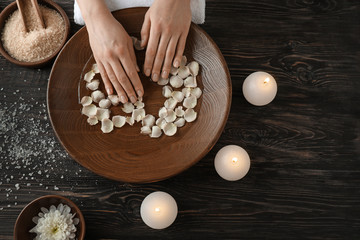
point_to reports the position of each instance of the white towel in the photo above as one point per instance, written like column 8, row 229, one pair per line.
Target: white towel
column 197, row 8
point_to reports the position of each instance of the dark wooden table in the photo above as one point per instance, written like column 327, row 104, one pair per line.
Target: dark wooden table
column 304, row 181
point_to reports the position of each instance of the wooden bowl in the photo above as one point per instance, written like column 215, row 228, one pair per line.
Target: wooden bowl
column 24, row 221
column 4, row 15
column 124, row 154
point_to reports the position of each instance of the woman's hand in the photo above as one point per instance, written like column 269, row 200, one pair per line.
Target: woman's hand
column 113, row 51
column 164, row 31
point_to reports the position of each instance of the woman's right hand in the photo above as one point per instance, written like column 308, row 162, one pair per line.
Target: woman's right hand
column 114, row 54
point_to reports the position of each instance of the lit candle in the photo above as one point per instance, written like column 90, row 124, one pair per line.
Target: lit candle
column 158, row 210
column 232, row 162
column 259, row 88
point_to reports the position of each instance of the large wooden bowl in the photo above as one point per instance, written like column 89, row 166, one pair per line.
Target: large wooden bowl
column 124, row 154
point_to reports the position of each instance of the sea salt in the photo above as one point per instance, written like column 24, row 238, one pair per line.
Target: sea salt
column 38, row 43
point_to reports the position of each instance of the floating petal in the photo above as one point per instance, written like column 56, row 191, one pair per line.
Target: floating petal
column 190, row 115
column 194, row 68
column 89, row 76
column 86, row 101
column 190, row 81
column 102, row 113
column 92, row 120
column 128, row 107
column 104, row 103
column 106, row 125
column 170, row 103
column 93, row 85
column 119, row 121
column 148, row 120
column 89, row 110
column 114, row 99
column 196, row 92
column 176, row 81
column 97, row 96
column 166, row 91
column 138, row 114
column 146, row 130
column 178, row 96
column 179, row 122
column 171, row 116
column 170, row 129
column 190, row 102
column 155, row 132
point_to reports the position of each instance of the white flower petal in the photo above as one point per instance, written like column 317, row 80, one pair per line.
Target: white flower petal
column 161, row 122
column 89, row 110
column 190, row 115
column 178, row 96
column 128, row 107
column 190, row 81
column 102, row 113
column 162, row 112
column 170, row 103
column 170, row 116
column 89, row 76
column 97, row 96
column 138, row 114
column 166, row 91
column 194, row 68
column 179, row 122
column 170, row 129
column 93, row 85
column 184, row 72
column 163, row 81
column 190, row 102
column 146, row 130
column 95, row 68
column 186, row 91
column 196, row 92
column 93, row 120
column 107, row 125
column 130, row 121
column 179, row 111
column 176, row 81
column 119, row 121
column 155, row 132
column 114, row 99
column 148, row 120
column 104, row 103
column 86, row 101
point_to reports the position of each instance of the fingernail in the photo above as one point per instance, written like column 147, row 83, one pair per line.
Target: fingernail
column 123, row 99
column 142, row 42
column 139, row 93
column 132, row 99
column 108, row 91
column 155, row 77
column 176, row 63
column 137, row 68
column 164, row 74
column 147, row 72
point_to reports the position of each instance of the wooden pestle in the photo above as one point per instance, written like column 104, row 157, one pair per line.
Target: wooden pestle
column 33, row 6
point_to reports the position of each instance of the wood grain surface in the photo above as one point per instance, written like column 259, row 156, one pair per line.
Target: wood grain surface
column 304, row 181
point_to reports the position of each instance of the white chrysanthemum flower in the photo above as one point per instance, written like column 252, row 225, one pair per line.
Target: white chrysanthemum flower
column 55, row 223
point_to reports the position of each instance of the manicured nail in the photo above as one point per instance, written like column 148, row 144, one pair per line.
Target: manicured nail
column 132, row 99
column 123, row 99
column 139, row 93
column 155, row 77
column 176, row 63
column 147, row 72
column 164, row 74
column 108, row 90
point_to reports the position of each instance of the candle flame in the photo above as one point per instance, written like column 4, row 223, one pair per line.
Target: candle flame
column 266, row 80
column 157, row 209
column 234, row 160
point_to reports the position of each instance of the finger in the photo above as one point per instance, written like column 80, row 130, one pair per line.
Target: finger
column 105, row 78
column 180, row 50
column 133, row 76
column 145, row 31
column 170, row 52
column 123, row 79
column 151, row 52
column 118, row 88
column 133, row 56
column 160, row 56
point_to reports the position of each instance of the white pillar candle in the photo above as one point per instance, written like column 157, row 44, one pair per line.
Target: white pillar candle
column 158, row 210
column 259, row 88
column 232, row 162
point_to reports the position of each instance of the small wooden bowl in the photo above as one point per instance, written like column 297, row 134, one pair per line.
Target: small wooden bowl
column 4, row 15
column 24, row 221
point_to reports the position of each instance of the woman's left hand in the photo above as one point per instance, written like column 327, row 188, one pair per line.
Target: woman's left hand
column 164, row 31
